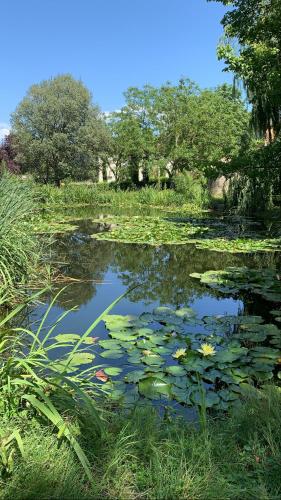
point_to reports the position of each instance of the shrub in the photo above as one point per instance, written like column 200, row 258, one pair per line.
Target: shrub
column 192, row 187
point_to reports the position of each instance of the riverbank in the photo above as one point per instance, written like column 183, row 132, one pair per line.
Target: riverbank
column 141, row 456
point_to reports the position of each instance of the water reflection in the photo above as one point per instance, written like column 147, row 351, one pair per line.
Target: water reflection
column 160, row 273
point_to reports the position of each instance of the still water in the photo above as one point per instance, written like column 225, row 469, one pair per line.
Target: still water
column 105, row 270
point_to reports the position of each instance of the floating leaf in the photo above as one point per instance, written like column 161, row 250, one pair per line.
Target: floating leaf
column 176, row 370
column 81, row 358
column 134, row 376
column 152, row 359
column 109, row 344
column 112, row 354
column 113, row 371
column 153, row 387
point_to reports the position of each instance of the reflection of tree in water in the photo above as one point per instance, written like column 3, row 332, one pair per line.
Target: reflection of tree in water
column 83, row 258
column 163, row 273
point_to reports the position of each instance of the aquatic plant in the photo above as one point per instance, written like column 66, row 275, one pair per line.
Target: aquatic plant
column 265, row 282
column 148, row 230
column 171, row 348
column 204, row 234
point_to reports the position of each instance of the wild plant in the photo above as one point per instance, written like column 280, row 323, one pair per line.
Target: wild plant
column 55, row 390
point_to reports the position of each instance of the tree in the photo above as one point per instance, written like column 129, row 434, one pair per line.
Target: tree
column 133, row 135
column 256, row 26
column 180, row 127
column 200, row 129
column 251, row 48
column 8, row 154
column 58, row 131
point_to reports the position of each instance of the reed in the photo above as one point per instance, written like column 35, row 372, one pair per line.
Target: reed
column 19, row 247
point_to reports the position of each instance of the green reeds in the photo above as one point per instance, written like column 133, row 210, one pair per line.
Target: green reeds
column 29, row 375
column 19, row 247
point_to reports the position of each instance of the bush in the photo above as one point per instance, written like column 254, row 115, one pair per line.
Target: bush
column 192, row 188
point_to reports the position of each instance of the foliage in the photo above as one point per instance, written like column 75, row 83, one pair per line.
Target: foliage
column 41, row 376
column 150, row 230
column 240, row 245
column 265, row 282
column 102, row 194
column 173, row 350
column 58, row 132
column 19, row 248
column 255, row 25
column 251, row 49
column 177, row 127
column 143, row 454
column 257, row 184
column 192, row 187
column 205, row 234
column 8, row 154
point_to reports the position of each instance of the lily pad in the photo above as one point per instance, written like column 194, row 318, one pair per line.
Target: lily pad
column 176, row 370
column 112, row 371
column 112, row 354
column 153, row 388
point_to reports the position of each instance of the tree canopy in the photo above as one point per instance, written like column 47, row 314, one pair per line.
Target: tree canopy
column 256, row 26
column 58, row 131
column 179, row 127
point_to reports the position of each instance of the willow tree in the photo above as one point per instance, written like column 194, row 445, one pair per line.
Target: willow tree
column 251, row 48
column 256, row 26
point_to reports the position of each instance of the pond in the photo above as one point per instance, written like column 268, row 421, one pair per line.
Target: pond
column 159, row 277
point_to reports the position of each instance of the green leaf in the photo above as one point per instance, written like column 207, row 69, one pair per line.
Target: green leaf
column 153, row 387
column 134, row 376
column 175, row 370
column 112, row 371
column 152, row 359
column 113, row 354
column 109, row 344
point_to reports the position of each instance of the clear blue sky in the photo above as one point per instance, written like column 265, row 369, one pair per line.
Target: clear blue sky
column 109, row 44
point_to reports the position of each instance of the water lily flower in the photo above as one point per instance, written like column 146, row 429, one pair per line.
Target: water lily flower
column 207, row 350
column 179, row 353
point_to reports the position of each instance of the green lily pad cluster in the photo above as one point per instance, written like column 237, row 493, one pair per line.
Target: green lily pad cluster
column 53, row 226
column 148, row 230
column 203, row 233
column 265, row 282
column 175, row 355
column 240, row 245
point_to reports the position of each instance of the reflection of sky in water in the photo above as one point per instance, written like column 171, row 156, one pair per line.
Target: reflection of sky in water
column 78, row 321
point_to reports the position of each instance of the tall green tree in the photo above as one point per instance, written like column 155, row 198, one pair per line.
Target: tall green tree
column 251, row 49
column 133, row 134
column 179, row 127
column 59, row 132
column 199, row 129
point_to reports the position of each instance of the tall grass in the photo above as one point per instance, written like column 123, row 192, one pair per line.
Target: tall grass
column 55, row 388
column 104, row 194
column 143, row 456
column 19, row 247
